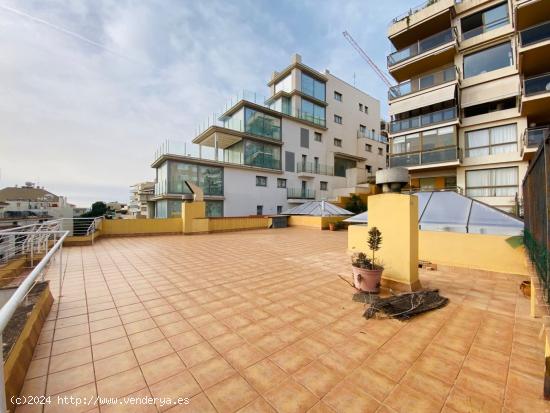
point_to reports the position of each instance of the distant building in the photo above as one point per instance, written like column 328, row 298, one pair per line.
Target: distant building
column 32, row 200
column 141, row 200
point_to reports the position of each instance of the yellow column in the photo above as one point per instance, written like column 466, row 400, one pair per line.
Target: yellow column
column 190, row 211
column 396, row 216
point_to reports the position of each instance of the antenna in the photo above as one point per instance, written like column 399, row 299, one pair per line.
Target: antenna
column 371, row 63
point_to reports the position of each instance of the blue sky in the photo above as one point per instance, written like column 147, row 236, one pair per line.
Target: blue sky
column 91, row 88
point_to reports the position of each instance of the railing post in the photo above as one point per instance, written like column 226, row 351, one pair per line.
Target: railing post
column 3, row 406
column 60, row 268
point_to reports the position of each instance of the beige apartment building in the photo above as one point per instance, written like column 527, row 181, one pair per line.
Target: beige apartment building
column 472, row 101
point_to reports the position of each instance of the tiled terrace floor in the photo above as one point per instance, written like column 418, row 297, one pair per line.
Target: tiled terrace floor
column 258, row 321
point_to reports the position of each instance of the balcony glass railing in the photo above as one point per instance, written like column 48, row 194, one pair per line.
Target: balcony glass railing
column 423, row 82
column 428, row 119
column 310, row 118
column 178, row 186
column 370, row 135
column 485, row 28
column 413, row 10
column 535, row 136
column 425, row 157
column 315, row 168
column 535, row 34
column 300, row 193
column 536, row 84
column 422, row 46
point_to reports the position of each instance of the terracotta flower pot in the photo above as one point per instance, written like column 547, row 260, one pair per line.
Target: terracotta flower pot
column 525, row 288
column 367, row 280
column 332, row 226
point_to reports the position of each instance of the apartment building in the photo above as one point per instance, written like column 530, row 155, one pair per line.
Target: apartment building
column 313, row 137
column 473, row 94
column 141, row 204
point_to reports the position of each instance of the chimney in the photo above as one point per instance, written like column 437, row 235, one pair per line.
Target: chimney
column 296, row 58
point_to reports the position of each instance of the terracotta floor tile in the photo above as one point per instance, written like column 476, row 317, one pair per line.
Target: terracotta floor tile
column 231, row 394
column 153, row 351
column 70, row 379
column 70, row 359
column 257, row 406
column 211, row 371
column 212, row 330
column 139, row 326
column 121, row 384
column 322, row 407
column 110, row 348
column 344, row 400
column 198, row 353
column 243, row 356
column 62, row 403
column 264, row 375
column 105, row 323
column 172, row 329
column 317, row 378
column 466, row 402
column 337, row 362
column 107, row 334
column 72, row 331
column 184, row 340
column 37, row 368
column 291, row 397
column 370, row 382
column 34, row 387
column 197, row 404
column 114, row 364
column 291, row 359
column 162, row 368
column 181, row 385
column 145, row 337
column 132, row 408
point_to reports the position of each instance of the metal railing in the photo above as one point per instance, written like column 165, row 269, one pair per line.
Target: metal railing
column 413, row 10
column 426, row 157
column 485, row 28
column 423, row 82
column 421, row 46
column 310, row 118
column 533, row 137
column 535, row 34
column 261, row 126
column 370, row 135
column 535, row 85
column 427, row 119
column 300, row 193
column 9, row 308
column 314, row 168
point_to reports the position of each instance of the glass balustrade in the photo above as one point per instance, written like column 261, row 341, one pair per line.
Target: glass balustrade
column 427, row 119
column 421, row 46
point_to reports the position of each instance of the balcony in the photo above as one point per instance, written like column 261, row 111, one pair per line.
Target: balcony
column 484, row 28
column 436, row 157
column 532, row 138
column 300, row 193
column 534, row 48
column 310, row 118
column 433, row 118
column 530, row 13
column 424, row 82
column 421, row 56
column 536, row 98
column 365, row 134
column 314, row 168
column 175, row 186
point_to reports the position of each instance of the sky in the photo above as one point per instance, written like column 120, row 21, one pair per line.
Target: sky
column 89, row 89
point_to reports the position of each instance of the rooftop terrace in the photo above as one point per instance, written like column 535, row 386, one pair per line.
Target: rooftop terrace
column 260, row 321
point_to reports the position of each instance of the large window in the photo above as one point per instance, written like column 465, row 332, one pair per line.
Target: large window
column 284, row 85
column 438, row 138
column 262, row 154
column 282, row 105
column 341, row 165
column 491, row 141
column 489, row 107
column 312, row 112
column 214, row 208
column 405, row 144
column 209, row 178
column 261, row 124
column 487, row 60
column 484, row 21
column 313, row 87
column 492, row 182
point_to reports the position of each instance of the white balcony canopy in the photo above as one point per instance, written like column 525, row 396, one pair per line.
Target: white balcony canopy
column 452, row 212
column 488, row 92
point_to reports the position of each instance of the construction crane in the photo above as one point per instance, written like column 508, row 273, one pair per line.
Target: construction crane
column 361, row 52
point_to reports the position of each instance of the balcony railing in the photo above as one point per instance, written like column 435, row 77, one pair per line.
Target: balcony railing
column 428, row 119
column 536, row 84
column 178, row 186
column 533, row 137
column 413, row 10
column 485, row 28
column 370, row 135
column 535, row 34
column 310, row 118
column 423, row 82
column 429, row 43
column 300, row 193
column 315, row 168
column 426, row 157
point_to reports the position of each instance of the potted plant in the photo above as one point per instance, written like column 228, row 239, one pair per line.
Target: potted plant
column 333, row 226
column 367, row 272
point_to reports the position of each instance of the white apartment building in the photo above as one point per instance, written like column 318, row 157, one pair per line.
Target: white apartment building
column 473, row 99
column 141, row 204
column 34, row 200
column 314, row 137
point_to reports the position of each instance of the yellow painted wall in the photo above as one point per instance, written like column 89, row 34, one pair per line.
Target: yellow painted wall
column 237, row 223
column 312, row 221
column 189, row 212
column 478, row 251
column 141, row 226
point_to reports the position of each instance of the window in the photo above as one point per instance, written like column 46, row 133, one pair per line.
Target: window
column 368, row 147
column 362, row 129
column 323, row 186
column 261, row 180
column 484, row 21
column 281, row 183
column 262, row 154
column 312, row 112
column 214, row 208
column 289, row 161
column 338, row 142
column 318, row 137
column 209, row 178
column 304, row 138
column 489, row 107
column 487, row 60
column 380, row 151
column 338, row 119
column 361, row 107
column 368, row 168
column 491, row 141
column 259, row 209
column 492, row 182
column 337, row 96
column 342, row 164
column 366, row 109
column 261, row 124
column 313, row 87
column 279, row 209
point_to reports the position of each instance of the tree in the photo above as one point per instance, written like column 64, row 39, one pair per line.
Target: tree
column 355, row 204
column 98, row 209
column 374, row 241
